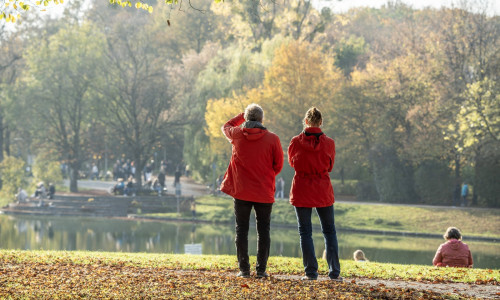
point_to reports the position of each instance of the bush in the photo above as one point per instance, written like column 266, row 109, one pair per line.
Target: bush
column 487, row 184
column 348, row 188
column 433, row 182
column 12, row 172
column 366, row 191
column 393, row 177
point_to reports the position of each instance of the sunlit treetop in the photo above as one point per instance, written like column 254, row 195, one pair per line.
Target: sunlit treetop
column 10, row 10
column 144, row 5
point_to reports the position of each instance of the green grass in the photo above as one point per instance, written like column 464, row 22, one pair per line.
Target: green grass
column 471, row 221
column 224, row 263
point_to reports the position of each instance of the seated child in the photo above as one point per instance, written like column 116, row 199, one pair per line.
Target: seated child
column 359, row 255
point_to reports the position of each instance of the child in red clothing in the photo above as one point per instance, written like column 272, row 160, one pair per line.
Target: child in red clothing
column 453, row 253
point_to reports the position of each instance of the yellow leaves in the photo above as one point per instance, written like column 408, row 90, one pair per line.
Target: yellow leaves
column 9, row 17
column 20, row 6
column 138, row 5
column 300, row 76
column 219, row 111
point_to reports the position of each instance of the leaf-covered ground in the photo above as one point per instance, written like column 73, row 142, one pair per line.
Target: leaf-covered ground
column 99, row 275
column 70, row 281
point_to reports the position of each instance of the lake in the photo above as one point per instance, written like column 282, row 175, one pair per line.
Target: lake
column 96, row 234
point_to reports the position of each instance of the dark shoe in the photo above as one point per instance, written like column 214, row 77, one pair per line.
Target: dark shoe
column 308, row 278
column 244, row 274
column 262, row 275
column 338, row 278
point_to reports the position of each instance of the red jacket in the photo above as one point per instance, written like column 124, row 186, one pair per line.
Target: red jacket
column 312, row 155
column 453, row 253
column 256, row 160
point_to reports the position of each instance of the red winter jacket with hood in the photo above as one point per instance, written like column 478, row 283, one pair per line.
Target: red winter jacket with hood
column 256, row 160
column 312, row 155
column 453, row 253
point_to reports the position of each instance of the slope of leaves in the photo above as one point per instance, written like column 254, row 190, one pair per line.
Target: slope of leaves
column 37, row 275
column 228, row 263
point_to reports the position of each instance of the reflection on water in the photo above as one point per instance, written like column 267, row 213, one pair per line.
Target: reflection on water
column 92, row 234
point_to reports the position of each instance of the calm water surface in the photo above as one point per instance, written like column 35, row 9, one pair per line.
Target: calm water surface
column 94, row 234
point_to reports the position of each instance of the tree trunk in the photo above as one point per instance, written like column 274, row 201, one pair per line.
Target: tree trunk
column 1, row 136
column 6, row 142
column 73, row 178
column 457, row 168
column 138, row 169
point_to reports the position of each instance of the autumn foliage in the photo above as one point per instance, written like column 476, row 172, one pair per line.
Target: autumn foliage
column 76, row 275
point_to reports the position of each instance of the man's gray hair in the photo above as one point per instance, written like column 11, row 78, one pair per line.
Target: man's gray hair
column 254, row 112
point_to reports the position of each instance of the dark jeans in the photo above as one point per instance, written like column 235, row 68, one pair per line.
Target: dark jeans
column 327, row 219
column 242, row 211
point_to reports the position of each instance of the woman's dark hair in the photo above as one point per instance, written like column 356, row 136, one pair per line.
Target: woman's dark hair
column 313, row 117
column 452, row 233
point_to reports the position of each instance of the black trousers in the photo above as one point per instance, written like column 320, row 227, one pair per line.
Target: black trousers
column 242, row 211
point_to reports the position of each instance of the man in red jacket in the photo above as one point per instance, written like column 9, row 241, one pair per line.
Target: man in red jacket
column 257, row 157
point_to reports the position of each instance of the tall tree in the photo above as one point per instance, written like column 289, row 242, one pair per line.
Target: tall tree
column 10, row 68
column 60, row 73
column 138, row 104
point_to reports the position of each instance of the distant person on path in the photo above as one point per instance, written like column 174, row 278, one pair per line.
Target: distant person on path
column 148, row 171
column 359, row 255
column 453, row 253
column 52, row 190
column 21, row 195
column 41, row 193
column 312, row 155
column 161, row 179
column 193, row 209
column 116, row 170
column 177, row 176
column 280, row 188
column 257, row 157
column 465, row 192
column 95, row 172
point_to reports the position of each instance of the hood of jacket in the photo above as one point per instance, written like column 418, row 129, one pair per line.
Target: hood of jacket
column 312, row 139
column 454, row 244
column 253, row 130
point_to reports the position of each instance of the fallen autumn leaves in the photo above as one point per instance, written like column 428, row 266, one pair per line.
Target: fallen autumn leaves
column 106, row 275
column 70, row 281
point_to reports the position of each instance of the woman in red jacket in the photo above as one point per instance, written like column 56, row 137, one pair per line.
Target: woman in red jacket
column 453, row 253
column 312, row 155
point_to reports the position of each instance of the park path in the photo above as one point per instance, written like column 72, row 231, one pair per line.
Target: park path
column 188, row 186
column 191, row 188
column 463, row 290
column 482, row 291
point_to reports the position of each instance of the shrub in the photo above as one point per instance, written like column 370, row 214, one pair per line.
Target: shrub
column 433, row 182
column 486, row 182
column 366, row 191
column 393, row 177
column 348, row 188
column 12, row 172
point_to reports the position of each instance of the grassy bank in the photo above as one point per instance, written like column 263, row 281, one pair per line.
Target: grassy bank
column 56, row 274
column 472, row 221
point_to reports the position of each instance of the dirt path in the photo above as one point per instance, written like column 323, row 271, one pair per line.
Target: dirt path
column 482, row 291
